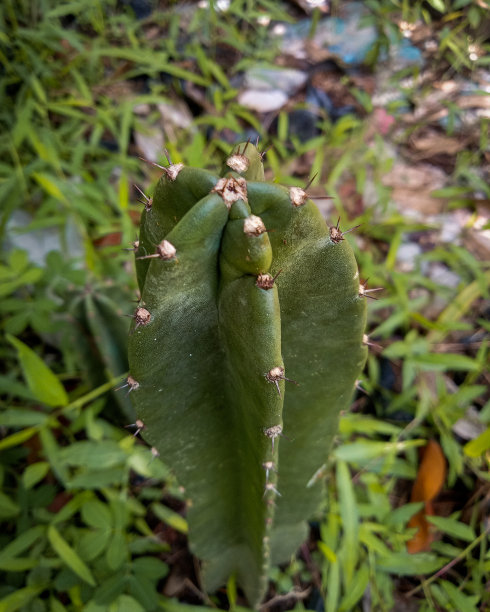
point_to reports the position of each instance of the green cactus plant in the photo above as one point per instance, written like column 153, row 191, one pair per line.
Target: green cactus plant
column 250, row 324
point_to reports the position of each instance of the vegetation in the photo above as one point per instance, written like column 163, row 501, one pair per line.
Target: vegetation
column 90, row 518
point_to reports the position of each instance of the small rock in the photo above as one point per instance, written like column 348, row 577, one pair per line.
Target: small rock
column 39, row 242
column 263, row 101
column 412, row 187
column 150, row 143
column 177, row 113
column 264, row 78
column 442, row 275
column 406, row 256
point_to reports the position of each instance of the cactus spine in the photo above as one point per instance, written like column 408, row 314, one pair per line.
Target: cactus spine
column 253, row 326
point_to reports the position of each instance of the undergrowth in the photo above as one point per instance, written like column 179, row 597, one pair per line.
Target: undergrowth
column 91, row 519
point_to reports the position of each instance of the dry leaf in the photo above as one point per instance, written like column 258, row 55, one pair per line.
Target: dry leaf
column 430, row 479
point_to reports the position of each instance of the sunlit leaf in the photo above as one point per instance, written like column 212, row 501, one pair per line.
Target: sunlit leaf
column 42, row 382
column 479, row 445
column 453, row 528
column 69, row 556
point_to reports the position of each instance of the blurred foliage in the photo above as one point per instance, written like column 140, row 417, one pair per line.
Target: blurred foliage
column 84, row 504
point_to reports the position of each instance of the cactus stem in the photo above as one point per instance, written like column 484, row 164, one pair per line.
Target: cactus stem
column 336, row 235
column 139, row 426
column 266, row 281
column 146, row 201
column 364, row 292
column 131, row 383
column 165, row 250
column 253, row 226
column 275, row 375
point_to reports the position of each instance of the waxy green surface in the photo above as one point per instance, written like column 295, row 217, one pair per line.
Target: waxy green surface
column 201, row 362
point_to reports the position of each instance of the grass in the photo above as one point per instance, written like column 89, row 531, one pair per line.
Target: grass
column 81, row 499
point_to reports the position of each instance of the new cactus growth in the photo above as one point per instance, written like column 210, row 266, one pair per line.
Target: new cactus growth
column 244, row 349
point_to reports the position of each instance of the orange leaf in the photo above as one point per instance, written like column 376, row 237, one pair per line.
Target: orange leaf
column 431, row 474
column 430, row 479
column 422, row 539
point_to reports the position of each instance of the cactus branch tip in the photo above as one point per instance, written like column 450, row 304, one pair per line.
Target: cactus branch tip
column 253, row 226
column 266, row 281
column 231, row 190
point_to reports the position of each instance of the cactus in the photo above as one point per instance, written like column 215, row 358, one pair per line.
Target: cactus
column 245, row 347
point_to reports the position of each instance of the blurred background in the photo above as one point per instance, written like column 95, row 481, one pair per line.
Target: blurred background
column 387, row 104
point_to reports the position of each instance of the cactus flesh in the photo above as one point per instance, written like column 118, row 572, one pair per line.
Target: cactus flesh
column 246, row 346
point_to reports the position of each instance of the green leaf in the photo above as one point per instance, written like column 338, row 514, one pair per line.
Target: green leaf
column 42, row 382
column 459, row 599
column 358, row 586
column 144, row 591
column 453, row 528
column 96, row 514
column 97, row 479
column 117, row 551
column 93, row 455
column 110, row 589
column 478, row 446
column 350, row 521
column 126, row 603
column 34, row 473
column 400, row 516
column 23, row 542
column 20, row 598
column 150, row 567
column 446, row 361
column 369, row 450
column 18, row 437
column 16, row 417
column 93, row 544
column 21, row 564
column 8, row 508
column 69, row 556
column 405, row 564
column 170, row 517
column 49, row 184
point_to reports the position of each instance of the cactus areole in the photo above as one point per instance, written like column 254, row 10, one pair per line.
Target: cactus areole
column 245, row 347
